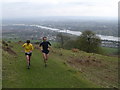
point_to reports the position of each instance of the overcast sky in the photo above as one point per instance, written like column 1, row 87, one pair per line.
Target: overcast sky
column 37, row 8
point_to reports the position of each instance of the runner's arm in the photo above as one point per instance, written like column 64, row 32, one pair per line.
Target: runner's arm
column 40, row 45
column 49, row 47
column 23, row 45
column 49, row 43
column 32, row 48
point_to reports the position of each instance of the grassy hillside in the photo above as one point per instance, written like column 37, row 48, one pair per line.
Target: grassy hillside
column 102, row 70
column 110, row 51
column 66, row 69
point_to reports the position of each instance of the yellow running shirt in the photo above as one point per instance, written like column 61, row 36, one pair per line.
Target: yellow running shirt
column 28, row 47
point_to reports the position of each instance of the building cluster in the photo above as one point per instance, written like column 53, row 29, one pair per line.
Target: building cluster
column 111, row 44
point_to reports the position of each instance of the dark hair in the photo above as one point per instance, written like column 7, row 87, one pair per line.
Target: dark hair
column 44, row 37
column 28, row 41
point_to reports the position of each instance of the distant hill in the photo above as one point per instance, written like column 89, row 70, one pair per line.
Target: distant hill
column 99, row 25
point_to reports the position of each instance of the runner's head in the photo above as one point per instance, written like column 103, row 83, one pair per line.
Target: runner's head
column 44, row 38
column 28, row 41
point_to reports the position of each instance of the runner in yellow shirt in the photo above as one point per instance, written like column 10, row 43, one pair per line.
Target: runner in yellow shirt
column 28, row 51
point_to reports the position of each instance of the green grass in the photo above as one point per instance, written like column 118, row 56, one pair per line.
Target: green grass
column 109, row 51
column 56, row 75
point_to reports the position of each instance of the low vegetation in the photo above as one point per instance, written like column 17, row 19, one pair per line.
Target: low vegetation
column 66, row 69
column 87, row 41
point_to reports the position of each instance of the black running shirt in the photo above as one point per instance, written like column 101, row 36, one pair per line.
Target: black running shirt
column 45, row 45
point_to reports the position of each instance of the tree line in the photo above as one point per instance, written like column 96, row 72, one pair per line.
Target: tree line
column 87, row 41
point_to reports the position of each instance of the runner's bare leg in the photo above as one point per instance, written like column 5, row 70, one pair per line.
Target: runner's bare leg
column 27, row 58
column 44, row 57
column 47, row 56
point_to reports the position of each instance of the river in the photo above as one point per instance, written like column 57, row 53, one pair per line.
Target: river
column 77, row 33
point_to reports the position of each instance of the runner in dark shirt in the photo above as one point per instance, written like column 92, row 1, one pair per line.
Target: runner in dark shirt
column 45, row 45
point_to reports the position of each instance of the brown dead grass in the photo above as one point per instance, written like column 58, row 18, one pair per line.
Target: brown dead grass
column 9, row 50
column 75, row 50
column 86, row 61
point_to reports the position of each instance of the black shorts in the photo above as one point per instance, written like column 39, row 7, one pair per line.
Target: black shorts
column 45, row 51
column 29, row 54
